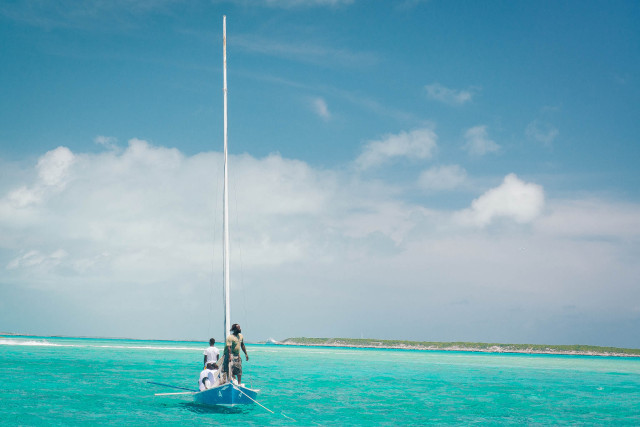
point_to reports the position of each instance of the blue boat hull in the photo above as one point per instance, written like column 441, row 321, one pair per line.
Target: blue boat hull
column 226, row 395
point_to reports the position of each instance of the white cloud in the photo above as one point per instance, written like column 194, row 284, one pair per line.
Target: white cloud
column 449, row 96
column 417, row 144
column 478, row 142
column 53, row 167
column 513, row 199
column 23, row 196
column 108, row 142
column 35, row 259
column 131, row 246
column 442, row 178
column 541, row 132
column 593, row 219
column 319, row 106
column 54, row 172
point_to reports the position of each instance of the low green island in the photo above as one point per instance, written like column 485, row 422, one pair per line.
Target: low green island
column 587, row 350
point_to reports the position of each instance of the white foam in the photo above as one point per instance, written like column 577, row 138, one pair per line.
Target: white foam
column 33, row 343
column 146, row 347
column 45, row 343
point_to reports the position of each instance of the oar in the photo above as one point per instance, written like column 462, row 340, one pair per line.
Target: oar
column 173, row 386
column 173, row 394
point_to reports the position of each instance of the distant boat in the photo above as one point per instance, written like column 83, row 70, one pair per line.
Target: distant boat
column 229, row 393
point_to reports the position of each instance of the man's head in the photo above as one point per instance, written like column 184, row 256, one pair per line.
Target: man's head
column 211, row 365
column 212, row 341
column 235, row 329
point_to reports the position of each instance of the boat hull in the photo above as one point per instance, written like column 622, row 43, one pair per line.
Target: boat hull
column 226, row 395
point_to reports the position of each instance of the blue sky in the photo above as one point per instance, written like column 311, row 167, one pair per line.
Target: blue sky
column 414, row 169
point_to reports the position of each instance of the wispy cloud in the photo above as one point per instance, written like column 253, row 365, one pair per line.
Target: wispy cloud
column 478, row 142
column 36, row 259
column 108, row 142
column 361, row 101
column 441, row 178
column 379, row 108
column 84, row 15
column 438, row 92
column 319, row 106
column 304, row 52
column 417, row 144
column 288, row 4
column 406, row 5
column 621, row 79
column 541, row 132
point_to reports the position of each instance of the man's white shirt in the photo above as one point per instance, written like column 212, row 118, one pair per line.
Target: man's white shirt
column 210, row 377
column 212, row 354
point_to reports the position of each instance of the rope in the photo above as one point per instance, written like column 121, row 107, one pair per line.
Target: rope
column 258, row 403
column 249, row 397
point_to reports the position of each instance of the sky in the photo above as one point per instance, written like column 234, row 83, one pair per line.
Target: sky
column 418, row 170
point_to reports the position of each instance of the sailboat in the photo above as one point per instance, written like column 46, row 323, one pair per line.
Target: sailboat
column 229, row 393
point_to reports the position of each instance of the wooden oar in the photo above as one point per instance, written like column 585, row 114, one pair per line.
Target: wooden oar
column 172, row 386
column 173, row 394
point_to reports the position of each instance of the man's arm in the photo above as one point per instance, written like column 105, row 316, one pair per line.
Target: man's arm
column 245, row 350
column 205, row 360
column 206, row 383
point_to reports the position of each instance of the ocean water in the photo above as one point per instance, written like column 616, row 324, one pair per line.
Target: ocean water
column 81, row 381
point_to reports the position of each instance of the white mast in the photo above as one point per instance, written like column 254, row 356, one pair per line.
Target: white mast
column 225, row 202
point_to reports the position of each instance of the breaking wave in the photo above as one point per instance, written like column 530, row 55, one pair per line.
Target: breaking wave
column 45, row 343
column 34, row 343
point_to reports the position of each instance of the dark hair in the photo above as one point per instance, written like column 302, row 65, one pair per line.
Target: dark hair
column 212, row 341
column 235, row 327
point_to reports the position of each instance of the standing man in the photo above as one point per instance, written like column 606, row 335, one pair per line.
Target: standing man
column 211, row 354
column 232, row 347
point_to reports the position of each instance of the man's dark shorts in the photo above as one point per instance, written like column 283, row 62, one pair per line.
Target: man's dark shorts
column 237, row 365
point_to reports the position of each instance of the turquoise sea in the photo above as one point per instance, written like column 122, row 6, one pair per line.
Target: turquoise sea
column 83, row 381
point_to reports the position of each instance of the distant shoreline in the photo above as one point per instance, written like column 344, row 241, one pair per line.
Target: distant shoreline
column 568, row 350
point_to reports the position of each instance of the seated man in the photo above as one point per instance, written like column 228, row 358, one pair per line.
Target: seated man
column 208, row 377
